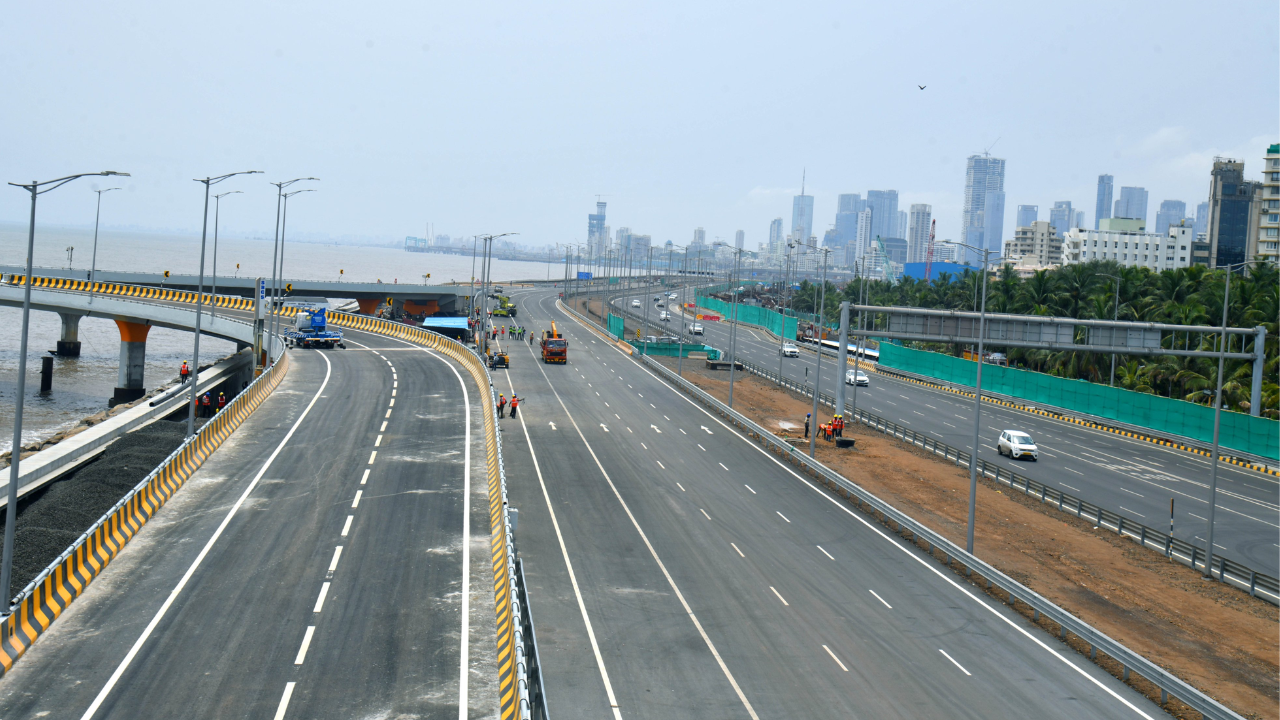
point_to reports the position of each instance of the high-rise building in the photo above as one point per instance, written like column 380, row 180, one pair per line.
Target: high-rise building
column 739, row 238
column 1269, row 210
column 1036, row 246
column 849, row 203
column 863, row 243
column 1102, row 211
column 904, row 225
column 1233, row 214
column 1126, row 242
column 1171, row 212
column 1202, row 220
column 777, row 243
column 597, row 235
column 918, row 232
column 1079, row 219
column 802, row 217
column 622, row 241
column 982, row 221
column 1027, row 214
column 847, row 219
column 1062, row 217
column 1132, row 204
column 699, row 237
column 883, row 205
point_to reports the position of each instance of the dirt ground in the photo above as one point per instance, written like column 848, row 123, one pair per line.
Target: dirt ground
column 1216, row 638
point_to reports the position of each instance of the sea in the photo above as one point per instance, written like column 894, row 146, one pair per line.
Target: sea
column 82, row 386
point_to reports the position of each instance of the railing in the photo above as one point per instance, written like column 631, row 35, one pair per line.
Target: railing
column 1169, row 684
column 537, row 691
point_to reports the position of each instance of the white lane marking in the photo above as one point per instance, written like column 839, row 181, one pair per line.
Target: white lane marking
column 953, row 427
column 753, row 492
column 373, row 456
column 646, row 447
column 775, row 592
column 630, row 431
column 306, row 643
column 722, row 465
column 666, row 418
column 346, row 527
column 682, row 432
column 392, row 403
column 394, row 377
column 681, row 487
column 393, row 393
column 384, row 426
column 784, row 517
column 953, row 662
column 388, row 413
column 656, row 428
column 704, row 513
column 324, row 592
column 824, row 552
column 664, row 467
column 284, row 700
column 873, row 592
column 337, row 555
column 378, row 441
column 1136, row 513
column 1132, row 492
column 597, row 393
column 356, row 501
column 364, row 478
column 1073, row 470
column 735, row 547
column 1069, row 487
column 186, row 577
column 700, row 447
column 617, row 416
column 833, row 657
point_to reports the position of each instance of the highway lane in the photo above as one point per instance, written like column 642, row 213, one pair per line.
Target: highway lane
column 334, row 588
column 718, row 583
column 1125, row 475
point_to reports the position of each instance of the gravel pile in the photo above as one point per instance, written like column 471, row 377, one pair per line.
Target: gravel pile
column 51, row 519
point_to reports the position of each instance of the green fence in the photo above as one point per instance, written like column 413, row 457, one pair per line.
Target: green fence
column 752, row 315
column 673, row 349
column 1245, row 433
column 616, row 328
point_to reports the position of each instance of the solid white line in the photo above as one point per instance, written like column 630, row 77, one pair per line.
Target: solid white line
column 346, row 527
column 284, row 699
column 356, row 502
column 753, row 492
column 306, row 643
column 833, row 657
column 681, row 487
column 784, row 517
column 735, row 547
column 324, row 592
column 873, row 592
column 373, row 456
column 824, row 552
column 378, row 441
column 953, row 662
column 364, row 478
column 775, row 592
column 337, row 554
column 704, row 512
column 186, row 577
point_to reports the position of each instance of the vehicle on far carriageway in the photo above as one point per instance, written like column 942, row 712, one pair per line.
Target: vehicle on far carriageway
column 1017, row 444
column 635, row 303
column 790, row 350
column 860, row 378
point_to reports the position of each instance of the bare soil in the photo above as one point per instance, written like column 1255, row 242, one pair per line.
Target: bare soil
column 1212, row 636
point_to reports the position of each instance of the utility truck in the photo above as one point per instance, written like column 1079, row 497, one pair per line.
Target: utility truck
column 555, row 349
column 311, row 330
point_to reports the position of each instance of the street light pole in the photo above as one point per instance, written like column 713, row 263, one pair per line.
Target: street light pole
column 217, row 207
column 208, row 182
column 93, row 263
column 1217, row 425
column 1114, row 317
column 11, row 511
column 275, row 254
column 733, row 323
column 817, row 379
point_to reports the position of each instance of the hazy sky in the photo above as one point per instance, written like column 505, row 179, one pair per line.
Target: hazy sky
column 503, row 116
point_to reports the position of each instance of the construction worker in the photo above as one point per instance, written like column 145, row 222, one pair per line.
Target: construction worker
column 185, row 372
column 839, row 423
column 222, row 401
column 806, row 425
column 206, row 402
column 515, row 403
column 502, row 405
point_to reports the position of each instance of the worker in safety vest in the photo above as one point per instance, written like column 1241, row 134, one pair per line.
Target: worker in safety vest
column 205, row 403
column 515, row 403
column 185, row 372
column 502, row 405
column 222, row 401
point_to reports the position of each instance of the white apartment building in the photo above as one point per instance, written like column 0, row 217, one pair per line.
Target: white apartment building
column 1035, row 248
column 1130, row 248
column 1269, row 225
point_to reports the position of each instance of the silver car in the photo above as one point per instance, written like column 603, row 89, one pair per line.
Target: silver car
column 790, row 350
column 1017, row 445
column 856, row 377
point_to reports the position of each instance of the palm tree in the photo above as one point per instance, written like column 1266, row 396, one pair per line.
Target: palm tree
column 1037, row 291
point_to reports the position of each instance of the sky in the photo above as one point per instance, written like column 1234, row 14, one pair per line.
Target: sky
column 512, row 117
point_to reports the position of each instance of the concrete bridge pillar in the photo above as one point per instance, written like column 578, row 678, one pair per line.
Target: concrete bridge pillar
column 133, row 358
column 69, row 345
column 368, row 306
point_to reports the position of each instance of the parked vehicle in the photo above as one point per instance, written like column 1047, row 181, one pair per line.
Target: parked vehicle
column 1017, row 444
column 555, row 349
column 790, row 350
column 856, row 377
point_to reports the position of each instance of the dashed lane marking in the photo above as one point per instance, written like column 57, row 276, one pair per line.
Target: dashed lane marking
column 722, row 465
column 775, row 592
column 306, row 643
column 824, row 552
column 735, row 547
column 284, row 700
column 365, row 478
column 346, row 527
column 753, row 492
column 784, row 517
column 324, row 593
column 873, row 592
column 833, row 657
column 704, row 513
column 681, row 487
column 953, row 662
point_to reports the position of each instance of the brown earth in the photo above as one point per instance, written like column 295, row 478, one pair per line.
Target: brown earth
column 1214, row 637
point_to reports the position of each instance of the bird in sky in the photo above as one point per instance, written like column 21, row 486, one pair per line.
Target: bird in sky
column 921, row 87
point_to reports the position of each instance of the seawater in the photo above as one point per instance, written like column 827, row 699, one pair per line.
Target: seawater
column 82, row 386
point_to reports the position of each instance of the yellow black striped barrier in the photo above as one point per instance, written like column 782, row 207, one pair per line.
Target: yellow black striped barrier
column 137, row 291
column 40, row 605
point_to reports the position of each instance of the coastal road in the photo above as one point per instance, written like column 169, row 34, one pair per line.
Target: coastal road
column 679, row 571
column 1124, row 475
column 317, row 566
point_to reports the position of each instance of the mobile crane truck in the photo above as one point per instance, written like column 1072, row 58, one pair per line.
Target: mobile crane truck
column 555, row 349
column 311, row 330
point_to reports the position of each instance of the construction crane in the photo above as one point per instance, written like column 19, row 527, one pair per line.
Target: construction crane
column 886, row 264
column 928, row 256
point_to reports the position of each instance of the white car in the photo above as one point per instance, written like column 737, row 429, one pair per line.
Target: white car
column 790, row 350
column 664, row 316
column 856, row 377
column 635, row 303
column 672, row 296
column 1017, row 444
column 696, row 328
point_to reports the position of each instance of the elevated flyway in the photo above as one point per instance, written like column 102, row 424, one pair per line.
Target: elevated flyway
column 678, row 571
column 312, row 568
column 1125, row 475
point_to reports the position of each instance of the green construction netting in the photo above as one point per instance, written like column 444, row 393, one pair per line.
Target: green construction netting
column 752, row 315
column 673, row 349
column 1245, row 433
column 615, row 326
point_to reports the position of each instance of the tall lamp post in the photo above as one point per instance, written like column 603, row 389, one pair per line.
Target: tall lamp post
column 36, row 188
column 1115, row 315
column 822, row 309
column 275, row 255
column 977, row 395
column 93, row 263
column 284, row 222
column 734, row 288
column 195, row 353
column 217, row 207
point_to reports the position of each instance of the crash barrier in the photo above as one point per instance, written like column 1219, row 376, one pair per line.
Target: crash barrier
column 517, row 647
column 770, row 320
column 537, row 691
column 138, row 291
column 1245, row 433
column 616, row 327
column 33, row 610
column 1228, row 571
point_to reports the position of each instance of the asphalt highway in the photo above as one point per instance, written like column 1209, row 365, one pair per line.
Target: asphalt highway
column 1125, row 475
column 679, row 571
column 317, row 566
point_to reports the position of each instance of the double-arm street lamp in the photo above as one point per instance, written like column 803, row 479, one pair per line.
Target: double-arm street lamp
column 93, row 263
column 977, row 395
column 275, row 256
column 822, row 309
column 195, row 353
column 36, row 188
column 217, row 206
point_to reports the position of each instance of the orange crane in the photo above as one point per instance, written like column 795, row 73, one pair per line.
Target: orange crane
column 555, row 349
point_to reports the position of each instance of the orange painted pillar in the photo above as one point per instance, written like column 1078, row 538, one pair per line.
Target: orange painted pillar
column 133, row 360
column 368, row 306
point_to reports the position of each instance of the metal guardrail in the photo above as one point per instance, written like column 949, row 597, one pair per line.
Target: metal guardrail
column 537, row 690
column 1228, row 571
column 1170, row 685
